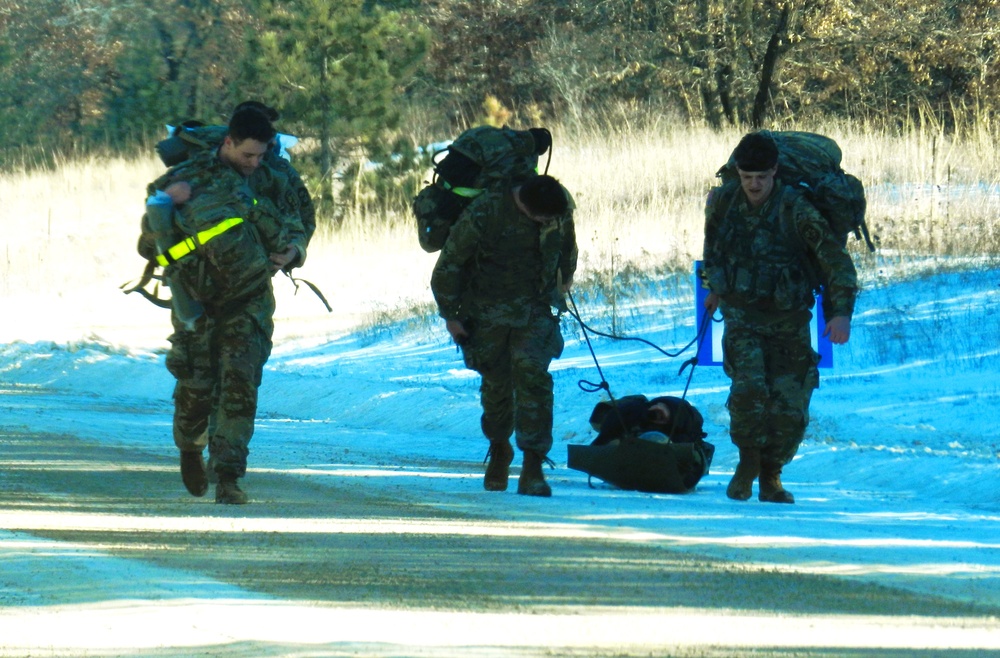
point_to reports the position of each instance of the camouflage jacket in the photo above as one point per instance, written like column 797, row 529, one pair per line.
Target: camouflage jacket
column 772, row 257
column 235, row 262
column 499, row 265
column 288, row 192
column 275, row 179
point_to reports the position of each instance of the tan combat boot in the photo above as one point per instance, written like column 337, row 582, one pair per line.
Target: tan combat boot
column 741, row 486
column 532, row 481
column 193, row 473
column 771, row 490
column 499, row 457
column 227, row 492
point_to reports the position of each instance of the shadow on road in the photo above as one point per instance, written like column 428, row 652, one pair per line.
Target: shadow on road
column 339, row 542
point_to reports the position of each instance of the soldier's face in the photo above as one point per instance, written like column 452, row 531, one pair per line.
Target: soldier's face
column 658, row 413
column 244, row 156
column 757, row 185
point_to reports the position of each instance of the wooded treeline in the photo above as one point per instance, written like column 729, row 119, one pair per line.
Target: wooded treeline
column 350, row 73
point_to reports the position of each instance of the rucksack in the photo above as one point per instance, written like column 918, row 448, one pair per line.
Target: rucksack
column 476, row 160
column 810, row 162
column 193, row 139
column 187, row 139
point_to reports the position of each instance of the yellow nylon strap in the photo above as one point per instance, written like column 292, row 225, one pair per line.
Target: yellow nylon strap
column 467, row 192
column 187, row 245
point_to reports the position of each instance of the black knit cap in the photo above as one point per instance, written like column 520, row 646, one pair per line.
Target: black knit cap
column 756, row 152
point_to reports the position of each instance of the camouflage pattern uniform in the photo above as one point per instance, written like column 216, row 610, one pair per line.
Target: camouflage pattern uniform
column 276, row 179
column 759, row 262
column 499, row 274
column 218, row 365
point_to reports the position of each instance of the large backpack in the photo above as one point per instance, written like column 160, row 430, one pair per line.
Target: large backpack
column 811, row 162
column 187, row 139
column 191, row 137
column 476, row 160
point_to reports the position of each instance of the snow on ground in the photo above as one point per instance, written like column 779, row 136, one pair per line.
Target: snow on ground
column 898, row 481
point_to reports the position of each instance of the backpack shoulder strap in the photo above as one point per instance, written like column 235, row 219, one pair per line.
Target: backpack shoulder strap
column 793, row 197
column 721, row 199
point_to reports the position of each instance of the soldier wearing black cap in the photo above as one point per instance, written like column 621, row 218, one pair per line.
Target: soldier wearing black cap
column 761, row 238
column 507, row 262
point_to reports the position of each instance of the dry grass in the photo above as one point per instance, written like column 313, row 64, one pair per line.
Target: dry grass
column 75, row 225
column 639, row 193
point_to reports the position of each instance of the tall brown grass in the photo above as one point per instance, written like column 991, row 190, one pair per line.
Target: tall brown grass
column 639, row 192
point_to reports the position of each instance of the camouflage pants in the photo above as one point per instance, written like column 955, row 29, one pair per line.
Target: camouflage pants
column 773, row 370
column 516, row 391
column 218, row 368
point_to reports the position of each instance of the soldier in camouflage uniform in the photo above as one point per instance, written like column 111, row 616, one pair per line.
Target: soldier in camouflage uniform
column 763, row 241
column 237, row 241
column 507, row 262
column 276, row 178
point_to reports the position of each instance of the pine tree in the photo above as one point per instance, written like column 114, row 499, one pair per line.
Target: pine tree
column 336, row 69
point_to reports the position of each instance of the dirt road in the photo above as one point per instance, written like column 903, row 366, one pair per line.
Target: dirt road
column 104, row 553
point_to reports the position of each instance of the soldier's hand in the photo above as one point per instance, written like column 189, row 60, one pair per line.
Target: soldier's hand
column 281, row 261
column 179, row 192
column 563, row 283
column 457, row 331
column 712, row 303
column 838, row 329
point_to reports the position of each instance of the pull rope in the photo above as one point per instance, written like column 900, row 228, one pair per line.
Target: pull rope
column 584, row 385
column 693, row 361
column 576, row 316
column 591, row 387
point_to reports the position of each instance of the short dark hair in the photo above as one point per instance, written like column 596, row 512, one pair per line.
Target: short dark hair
column 543, row 196
column 268, row 111
column 248, row 123
column 756, row 152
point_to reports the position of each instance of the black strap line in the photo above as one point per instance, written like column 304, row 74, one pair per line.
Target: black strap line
column 551, row 146
column 576, row 316
column 312, row 286
column 693, row 361
column 148, row 274
column 591, row 387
